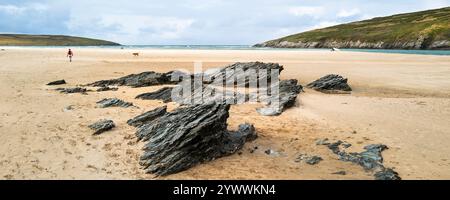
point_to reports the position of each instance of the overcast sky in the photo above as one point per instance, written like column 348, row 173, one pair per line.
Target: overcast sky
column 192, row 21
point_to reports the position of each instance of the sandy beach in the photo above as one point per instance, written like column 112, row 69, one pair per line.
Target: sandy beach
column 399, row 100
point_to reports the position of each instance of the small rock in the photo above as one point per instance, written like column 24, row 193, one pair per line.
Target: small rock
column 106, row 88
column 113, row 102
column 331, row 83
column 72, row 90
column 58, row 82
column 270, row 152
column 313, row 160
column 102, row 126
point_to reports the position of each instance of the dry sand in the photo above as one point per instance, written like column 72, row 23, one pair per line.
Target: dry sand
column 402, row 101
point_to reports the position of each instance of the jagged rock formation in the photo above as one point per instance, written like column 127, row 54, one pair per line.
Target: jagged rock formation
column 164, row 94
column 113, row 102
column 143, row 79
column 188, row 136
column 147, row 117
column 102, row 126
column 72, row 90
column 288, row 92
column 331, row 83
column 261, row 71
column 370, row 159
column 58, row 82
column 106, row 88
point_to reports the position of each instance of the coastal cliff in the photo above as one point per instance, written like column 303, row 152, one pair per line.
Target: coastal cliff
column 420, row 30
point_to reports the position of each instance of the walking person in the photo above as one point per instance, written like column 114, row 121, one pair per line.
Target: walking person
column 70, row 54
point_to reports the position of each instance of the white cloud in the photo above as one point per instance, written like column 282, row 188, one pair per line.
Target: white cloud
column 134, row 28
column 349, row 13
column 313, row 11
column 18, row 10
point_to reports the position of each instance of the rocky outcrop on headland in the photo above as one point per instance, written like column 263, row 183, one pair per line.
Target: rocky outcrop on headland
column 331, row 83
column 328, row 44
column 188, row 136
column 427, row 29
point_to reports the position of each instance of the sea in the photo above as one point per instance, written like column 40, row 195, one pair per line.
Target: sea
column 249, row 47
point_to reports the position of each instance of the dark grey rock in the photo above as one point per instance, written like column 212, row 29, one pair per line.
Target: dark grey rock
column 106, row 88
column 387, row 174
column 370, row 159
column 188, row 136
column 331, row 83
column 143, row 79
column 73, row 90
column 288, row 92
column 163, row 94
column 113, row 102
column 313, row 160
column 147, row 117
column 263, row 71
column 102, row 126
column 58, row 82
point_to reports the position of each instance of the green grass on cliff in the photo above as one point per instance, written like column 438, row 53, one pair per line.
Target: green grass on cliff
column 49, row 40
column 431, row 24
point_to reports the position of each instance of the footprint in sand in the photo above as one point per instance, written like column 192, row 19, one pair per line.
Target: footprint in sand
column 107, row 147
column 72, row 142
column 92, row 167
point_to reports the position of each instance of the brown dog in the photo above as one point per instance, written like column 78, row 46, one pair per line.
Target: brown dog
column 135, row 54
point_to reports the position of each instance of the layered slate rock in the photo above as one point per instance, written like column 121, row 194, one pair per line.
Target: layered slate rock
column 288, row 92
column 188, row 136
column 58, row 82
column 113, row 102
column 143, row 79
column 331, row 83
column 147, row 117
column 163, row 94
column 230, row 74
column 370, row 159
column 106, row 88
column 72, row 90
column 102, row 126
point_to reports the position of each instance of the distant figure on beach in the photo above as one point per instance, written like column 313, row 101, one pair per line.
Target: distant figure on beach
column 70, row 55
column 135, row 54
